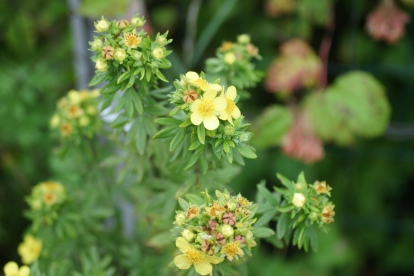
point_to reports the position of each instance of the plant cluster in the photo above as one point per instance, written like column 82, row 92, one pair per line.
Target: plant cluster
column 213, row 230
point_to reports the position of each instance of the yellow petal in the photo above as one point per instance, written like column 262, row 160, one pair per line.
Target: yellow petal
column 220, row 103
column 24, row 271
column 216, row 87
column 194, row 105
column 191, row 75
column 11, row 268
column 231, row 93
column 230, row 120
column 210, row 95
column 182, row 244
column 203, row 267
column 182, row 262
column 196, row 118
column 223, row 115
column 214, row 259
column 235, row 113
column 210, row 122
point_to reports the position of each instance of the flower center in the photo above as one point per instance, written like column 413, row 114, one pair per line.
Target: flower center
column 49, row 198
column 132, row 40
column 192, row 212
column 193, row 256
column 66, row 129
column 230, row 106
column 206, row 108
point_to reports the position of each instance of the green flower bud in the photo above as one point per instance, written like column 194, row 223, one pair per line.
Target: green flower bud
column 243, row 39
column 121, row 24
column 227, row 231
column 137, row 22
column 101, row 65
column 180, row 219
column 161, row 40
column 187, row 235
column 136, row 55
column 313, row 216
column 229, row 130
column 232, row 205
column 229, row 58
column 158, row 53
column 84, row 121
column 102, row 25
column 120, row 55
column 55, row 121
column 96, row 45
column 246, row 136
column 300, row 186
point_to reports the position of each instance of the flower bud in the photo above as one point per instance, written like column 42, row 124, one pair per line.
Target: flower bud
column 108, row 52
column 121, row 24
column 246, row 136
column 136, row 55
column 300, row 186
column 137, row 22
column 161, row 40
column 232, row 205
column 180, row 219
column 298, row 200
column 249, row 235
column 158, row 53
column 102, row 25
column 96, row 44
column 187, row 235
column 120, row 55
column 229, row 130
column 243, row 39
column 313, row 216
column 190, row 96
column 84, row 121
column 227, row 231
column 55, row 121
column 101, row 65
column 229, row 58
column 91, row 110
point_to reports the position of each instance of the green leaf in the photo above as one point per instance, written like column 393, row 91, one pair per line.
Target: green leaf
column 266, row 193
column 201, row 133
column 166, row 132
column 97, row 79
column 178, row 138
column 271, row 126
column 313, row 238
column 193, row 159
column 266, row 217
column 195, row 199
column 168, row 121
column 160, row 240
column 204, row 164
column 183, row 203
column 285, row 181
column 263, row 232
column 316, row 12
column 124, row 76
column 110, row 88
column 247, row 152
column 282, row 225
column 301, row 178
column 141, row 140
column 136, row 100
column 275, row 241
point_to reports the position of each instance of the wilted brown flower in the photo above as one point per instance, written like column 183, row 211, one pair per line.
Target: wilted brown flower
column 108, row 52
column 229, row 218
column 387, row 22
column 328, row 213
column 190, row 96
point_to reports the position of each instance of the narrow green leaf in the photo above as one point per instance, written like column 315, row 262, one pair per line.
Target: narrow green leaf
column 286, row 182
column 193, row 159
column 166, row 132
column 201, row 133
column 168, row 121
column 265, row 218
column 282, row 226
column 183, row 203
column 267, row 194
column 141, row 140
column 247, row 152
column 178, row 138
column 263, row 232
column 195, row 199
column 124, row 76
column 97, row 79
column 313, row 238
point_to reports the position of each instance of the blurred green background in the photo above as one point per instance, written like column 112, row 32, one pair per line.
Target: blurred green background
column 373, row 180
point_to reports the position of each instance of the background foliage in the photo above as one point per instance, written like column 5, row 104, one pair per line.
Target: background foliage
column 371, row 180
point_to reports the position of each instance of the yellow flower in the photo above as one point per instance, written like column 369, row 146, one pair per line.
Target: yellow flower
column 29, row 250
column 205, row 110
column 194, row 79
column 12, row 269
column 243, row 39
column 192, row 211
column 66, row 129
column 74, row 97
column 191, row 256
column 132, row 40
column 231, row 250
column 52, row 192
column 74, row 111
column 231, row 111
column 322, row 187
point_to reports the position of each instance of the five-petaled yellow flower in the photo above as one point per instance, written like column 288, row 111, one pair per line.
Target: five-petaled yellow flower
column 231, row 111
column 194, row 79
column 132, row 40
column 206, row 109
column 29, row 249
column 12, row 269
column 192, row 256
column 231, row 250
